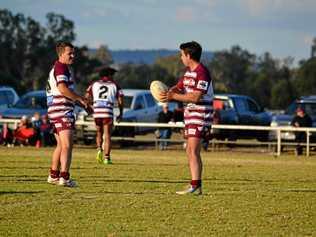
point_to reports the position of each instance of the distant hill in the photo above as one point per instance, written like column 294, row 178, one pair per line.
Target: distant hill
column 144, row 56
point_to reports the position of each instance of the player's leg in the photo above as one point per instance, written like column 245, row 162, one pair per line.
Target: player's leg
column 99, row 136
column 53, row 177
column 66, row 139
column 193, row 150
column 99, row 141
column 107, row 143
column 194, row 157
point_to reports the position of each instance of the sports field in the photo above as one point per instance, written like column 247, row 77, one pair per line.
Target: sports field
column 245, row 194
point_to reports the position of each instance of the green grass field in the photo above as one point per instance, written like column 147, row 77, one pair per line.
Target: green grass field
column 244, row 194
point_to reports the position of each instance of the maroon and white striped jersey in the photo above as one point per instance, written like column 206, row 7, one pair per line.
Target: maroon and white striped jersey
column 200, row 113
column 59, row 106
column 104, row 93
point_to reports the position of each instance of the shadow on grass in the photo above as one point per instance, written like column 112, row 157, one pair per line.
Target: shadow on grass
column 297, row 191
column 93, row 179
column 19, row 192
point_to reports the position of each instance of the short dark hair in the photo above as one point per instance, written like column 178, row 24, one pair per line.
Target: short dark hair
column 107, row 71
column 192, row 48
column 60, row 47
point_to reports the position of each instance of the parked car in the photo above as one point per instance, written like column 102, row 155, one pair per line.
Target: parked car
column 8, row 97
column 28, row 104
column 139, row 106
column 239, row 110
column 308, row 103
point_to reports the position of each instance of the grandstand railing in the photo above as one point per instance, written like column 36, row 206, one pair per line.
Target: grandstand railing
column 278, row 130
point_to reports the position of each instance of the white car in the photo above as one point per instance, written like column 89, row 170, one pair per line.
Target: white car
column 139, row 106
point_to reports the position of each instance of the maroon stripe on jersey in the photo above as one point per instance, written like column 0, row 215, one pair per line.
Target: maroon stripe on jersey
column 200, row 110
column 198, row 117
column 55, row 119
column 62, row 104
column 58, row 111
column 102, row 107
column 103, row 113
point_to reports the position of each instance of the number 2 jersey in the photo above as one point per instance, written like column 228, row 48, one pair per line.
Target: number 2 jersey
column 104, row 93
column 59, row 106
column 198, row 114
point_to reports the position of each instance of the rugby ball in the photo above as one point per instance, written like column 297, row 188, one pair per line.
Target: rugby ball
column 156, row 88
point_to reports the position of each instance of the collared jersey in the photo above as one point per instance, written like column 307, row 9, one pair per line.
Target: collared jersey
column 198, row 80
column 104, row 93
column 59, row 106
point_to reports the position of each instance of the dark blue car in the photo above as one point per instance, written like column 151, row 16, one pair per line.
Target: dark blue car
column 28, row 104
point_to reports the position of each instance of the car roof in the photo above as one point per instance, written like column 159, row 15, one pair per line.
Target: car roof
column 36, row 93
column 132, row 92
column 226, row 96
column 307, row 99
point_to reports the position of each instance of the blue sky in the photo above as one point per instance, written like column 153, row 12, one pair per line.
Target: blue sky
column 281, row 27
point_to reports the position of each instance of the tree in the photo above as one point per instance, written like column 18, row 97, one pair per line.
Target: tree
column 305, row 80
column 103, row 55
column 231, row 70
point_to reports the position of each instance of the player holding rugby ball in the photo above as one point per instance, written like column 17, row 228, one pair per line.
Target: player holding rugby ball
column 196, row 91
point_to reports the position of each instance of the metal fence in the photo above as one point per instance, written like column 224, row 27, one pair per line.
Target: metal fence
column 278, row 130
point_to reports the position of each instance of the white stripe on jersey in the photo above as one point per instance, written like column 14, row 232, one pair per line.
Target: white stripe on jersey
column 61, row 78
column 102, row 115
column 197, row 114
column 61, row 100
column 103, row 110
column 59, row 107
column 197, row 122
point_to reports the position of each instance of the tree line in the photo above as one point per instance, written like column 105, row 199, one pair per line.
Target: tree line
column 27, row 52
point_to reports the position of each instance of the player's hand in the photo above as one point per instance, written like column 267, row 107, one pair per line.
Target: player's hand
column 163, row 96
column 84, row 103
column 170, row 95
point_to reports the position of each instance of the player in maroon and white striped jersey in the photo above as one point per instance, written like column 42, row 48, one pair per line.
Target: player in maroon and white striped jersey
column 60, row 100
column 104, row 92
column 196, row 90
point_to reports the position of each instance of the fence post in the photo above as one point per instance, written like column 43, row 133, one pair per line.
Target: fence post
column 279, row 142
column 307, row 143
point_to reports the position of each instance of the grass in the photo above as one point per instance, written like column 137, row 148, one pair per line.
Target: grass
column 244, row 194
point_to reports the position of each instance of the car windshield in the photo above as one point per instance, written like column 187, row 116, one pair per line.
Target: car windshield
column 31, row 102
column 128, row 102
column 310, row 108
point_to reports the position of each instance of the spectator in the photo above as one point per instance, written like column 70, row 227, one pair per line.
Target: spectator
column 36, row 124
column 24, row 134
column 301, row 119
column 165, row 116
column 6, row 135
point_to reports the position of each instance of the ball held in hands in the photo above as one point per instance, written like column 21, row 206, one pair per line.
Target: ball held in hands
column 157, row 88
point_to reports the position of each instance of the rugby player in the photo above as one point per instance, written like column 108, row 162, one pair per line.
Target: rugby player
column 104, row 92
column 61, row 100
column 196, row 91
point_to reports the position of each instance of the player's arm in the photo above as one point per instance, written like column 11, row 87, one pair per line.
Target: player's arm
column 65, row 91
column 164, row 94
column 88, row 95
column 192, row 97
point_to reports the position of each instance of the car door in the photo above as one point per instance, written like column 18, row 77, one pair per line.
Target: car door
column 139, row 109
column 244, row 114
column 152, row 108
